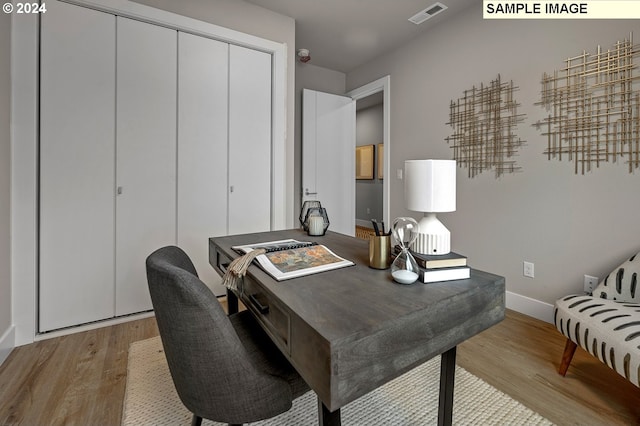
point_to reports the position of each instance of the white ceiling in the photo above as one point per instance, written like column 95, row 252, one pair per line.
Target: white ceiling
column 344, row 34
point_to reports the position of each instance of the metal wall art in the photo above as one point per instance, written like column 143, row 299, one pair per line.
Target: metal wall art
column 594, row 113
column 484, row 122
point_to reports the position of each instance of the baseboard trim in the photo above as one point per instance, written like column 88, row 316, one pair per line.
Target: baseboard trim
column 7, row 343
column 528, row 306
column 92, row 326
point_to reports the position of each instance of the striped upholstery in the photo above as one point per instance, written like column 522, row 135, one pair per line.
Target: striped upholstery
column 607, row 329
column 622, row 283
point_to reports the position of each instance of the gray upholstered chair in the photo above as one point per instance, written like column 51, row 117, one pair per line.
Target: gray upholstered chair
column 224, row 368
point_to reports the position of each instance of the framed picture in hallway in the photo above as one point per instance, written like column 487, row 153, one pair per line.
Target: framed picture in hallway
column 364, row 161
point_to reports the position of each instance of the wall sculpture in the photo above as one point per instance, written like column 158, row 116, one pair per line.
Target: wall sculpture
column 594, row 113
column 484, row 121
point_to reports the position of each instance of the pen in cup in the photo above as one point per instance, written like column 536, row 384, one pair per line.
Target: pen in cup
column 375, row 227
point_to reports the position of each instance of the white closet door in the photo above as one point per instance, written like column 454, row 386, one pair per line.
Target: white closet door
column 146, row 155
column 76, row 166
column 202, row 149
column 77, row 125
column 249, row 140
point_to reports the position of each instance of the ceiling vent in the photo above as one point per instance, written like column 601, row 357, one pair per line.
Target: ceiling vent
column 429, row 12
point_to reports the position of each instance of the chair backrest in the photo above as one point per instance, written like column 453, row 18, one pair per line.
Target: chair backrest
column 205, row 356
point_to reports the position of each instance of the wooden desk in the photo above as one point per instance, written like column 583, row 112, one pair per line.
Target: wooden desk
column 351, row 330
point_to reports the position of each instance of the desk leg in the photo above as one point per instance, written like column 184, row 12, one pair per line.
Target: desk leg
column 232, row 303
column 326, row 417
column 447, row 376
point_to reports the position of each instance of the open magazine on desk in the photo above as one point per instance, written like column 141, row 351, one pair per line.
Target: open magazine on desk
column 285, row 259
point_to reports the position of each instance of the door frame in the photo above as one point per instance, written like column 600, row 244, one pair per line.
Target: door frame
column 381, row 85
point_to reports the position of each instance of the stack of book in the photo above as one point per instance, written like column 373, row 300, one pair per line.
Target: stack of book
column 443, row 267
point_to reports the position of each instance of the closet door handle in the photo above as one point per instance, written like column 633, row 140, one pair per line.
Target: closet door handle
column 119, row 190
column 306, row 192
column 231, row 188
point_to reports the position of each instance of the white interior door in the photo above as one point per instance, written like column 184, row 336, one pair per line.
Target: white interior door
column 146, row 155
column 250, row 87
column 203, row 69
column 77, row 177
column 328, row 156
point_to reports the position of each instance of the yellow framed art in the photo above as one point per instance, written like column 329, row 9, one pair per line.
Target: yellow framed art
column 364, row 162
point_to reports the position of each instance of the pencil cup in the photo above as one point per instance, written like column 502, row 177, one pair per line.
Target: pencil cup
column 380, row 251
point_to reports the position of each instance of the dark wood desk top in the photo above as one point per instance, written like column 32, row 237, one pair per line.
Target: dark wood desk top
column 351, row 330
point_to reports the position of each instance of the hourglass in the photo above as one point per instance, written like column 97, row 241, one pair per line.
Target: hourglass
column 404, row 268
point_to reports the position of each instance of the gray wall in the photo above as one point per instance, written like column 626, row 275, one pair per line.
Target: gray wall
column 255, row 20
column 5, row 175
column 309, row 76
column 369, row 131
column 568, row 225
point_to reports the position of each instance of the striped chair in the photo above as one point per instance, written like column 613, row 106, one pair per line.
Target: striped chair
column 607, row 324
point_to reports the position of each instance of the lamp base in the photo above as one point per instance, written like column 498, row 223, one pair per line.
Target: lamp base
column 432, row 238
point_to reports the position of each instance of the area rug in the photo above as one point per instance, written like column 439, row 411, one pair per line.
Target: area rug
column 411, row 399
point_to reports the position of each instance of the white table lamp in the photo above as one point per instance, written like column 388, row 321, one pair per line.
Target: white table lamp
column 430, row 187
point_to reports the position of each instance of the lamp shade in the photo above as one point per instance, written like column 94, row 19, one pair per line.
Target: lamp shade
column 430, row 185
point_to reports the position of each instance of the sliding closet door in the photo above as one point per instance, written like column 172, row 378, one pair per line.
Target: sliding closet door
column 77, row 176
column 146, row 155
column 202, row 148
column 249, row 140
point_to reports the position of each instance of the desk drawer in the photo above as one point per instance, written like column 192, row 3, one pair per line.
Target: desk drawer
column 219, row 261
column 274, row 318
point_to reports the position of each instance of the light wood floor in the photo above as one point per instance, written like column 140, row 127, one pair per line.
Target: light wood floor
column 364, row 233
column 80, row 379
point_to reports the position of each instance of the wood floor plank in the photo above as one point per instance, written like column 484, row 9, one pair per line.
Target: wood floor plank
column 520, row 356
column 77, row 379
column 80, row 379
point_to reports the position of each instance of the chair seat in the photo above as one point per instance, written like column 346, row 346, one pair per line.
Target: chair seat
column 607, row 329
column 263, row 352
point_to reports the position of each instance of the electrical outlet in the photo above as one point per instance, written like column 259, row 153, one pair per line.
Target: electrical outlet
column 527, row 270
column 590, row 283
